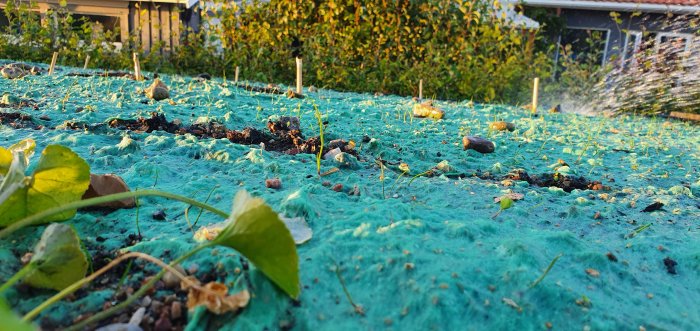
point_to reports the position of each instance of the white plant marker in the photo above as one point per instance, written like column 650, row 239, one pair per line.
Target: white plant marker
column 235, row 76
column 535, row 91
column 87, row 60
column 53, row 63
column 137, row 67
column 420, row 89
column 299, row 66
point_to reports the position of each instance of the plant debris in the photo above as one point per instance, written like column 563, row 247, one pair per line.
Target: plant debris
column 214, row 296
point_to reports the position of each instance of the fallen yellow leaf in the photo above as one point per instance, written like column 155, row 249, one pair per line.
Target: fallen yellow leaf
column 214, row 296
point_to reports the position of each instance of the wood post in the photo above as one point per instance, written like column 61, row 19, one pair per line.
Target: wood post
column 137, row 67
column 87, row 60
column 53, row 63
column 535, row 92
column 299, row 66
column 420, row 89
column 235, row 76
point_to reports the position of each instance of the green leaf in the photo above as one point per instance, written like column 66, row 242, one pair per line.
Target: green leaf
column 256, row 231
column 25, row 146
column 12, row 322
column 58, row 259
column 60, row 177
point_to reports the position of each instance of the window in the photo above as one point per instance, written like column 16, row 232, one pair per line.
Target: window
column 100, row 23
column 633, row 42
column 587, row 45
column 673, row 47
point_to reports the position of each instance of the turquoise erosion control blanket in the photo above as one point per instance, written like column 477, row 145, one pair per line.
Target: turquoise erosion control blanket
column 414, row 245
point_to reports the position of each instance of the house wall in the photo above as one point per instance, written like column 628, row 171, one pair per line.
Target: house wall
column 617, row 32
column 152, row 23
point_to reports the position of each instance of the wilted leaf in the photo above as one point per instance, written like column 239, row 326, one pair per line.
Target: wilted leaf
column 26, row 147
column 58, row 259
column 300, row 230
column 60, row 177
column 512, row 196
column 214, row 296
column 256, row 231
column 101, row 185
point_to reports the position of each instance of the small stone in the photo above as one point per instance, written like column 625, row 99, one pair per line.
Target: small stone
column 158, row 90
column 146, row 301
column 156, row 306
column 193, row 268
column 592, row 272
column 409, row 266
column 163, row 323
column 611, row 256
column 11, row 72
column 26, row 258
column 478, row 144
column 338, row 187
column 204, row 76
column 44, row 118
column 502, row 126
column 273, row 183
column 172, row 281
column 176, row 310
column 158, row 215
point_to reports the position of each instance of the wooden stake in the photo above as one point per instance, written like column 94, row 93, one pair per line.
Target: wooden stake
column 535, row 92
column 87, row 60
column 53, row 63
column 137, row 67
column 299, row 65
column 420, row 89
column 235, row 76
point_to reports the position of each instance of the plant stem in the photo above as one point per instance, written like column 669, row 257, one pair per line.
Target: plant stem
column 29, row 220
column 546, row 271
column 77, row 285
column 144, row 288
column 16, row 277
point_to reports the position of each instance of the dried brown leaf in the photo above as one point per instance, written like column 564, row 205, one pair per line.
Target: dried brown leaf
column 512, row 196
column 214, row 296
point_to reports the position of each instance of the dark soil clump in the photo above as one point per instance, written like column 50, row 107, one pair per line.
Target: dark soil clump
column 566, row 183
column 284, row 134
column 18, row 121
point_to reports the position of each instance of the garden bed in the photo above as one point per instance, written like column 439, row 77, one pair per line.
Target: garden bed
column 406, row 227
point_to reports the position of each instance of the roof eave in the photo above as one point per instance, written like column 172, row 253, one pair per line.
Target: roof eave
column 614, row 6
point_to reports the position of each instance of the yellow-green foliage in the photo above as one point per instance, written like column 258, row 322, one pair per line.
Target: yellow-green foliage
column 460, row 49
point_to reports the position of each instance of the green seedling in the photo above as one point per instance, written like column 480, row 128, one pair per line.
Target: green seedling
column 637, row 230
column 505, row 203
column 358, row 308
column 546, row 271
column 319, row 155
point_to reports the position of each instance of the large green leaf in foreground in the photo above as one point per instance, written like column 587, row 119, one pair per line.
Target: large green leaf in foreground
column 58, row 259
column 256, row 231
column 60, row 177
column 10, row 322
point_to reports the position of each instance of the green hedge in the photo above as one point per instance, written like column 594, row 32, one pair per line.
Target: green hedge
column 458, row 48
